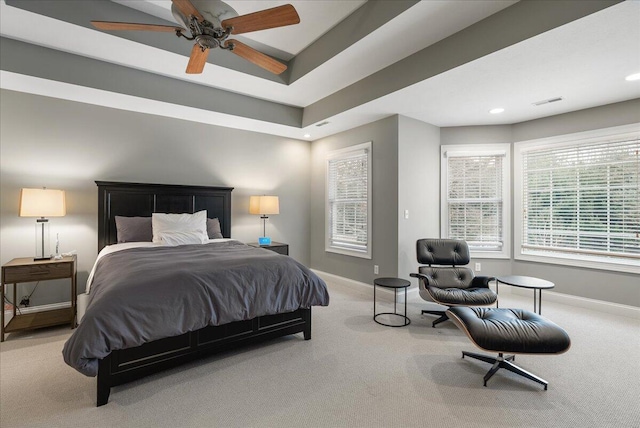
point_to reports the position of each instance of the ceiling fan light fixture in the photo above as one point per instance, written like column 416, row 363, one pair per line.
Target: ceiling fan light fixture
column 207, row 42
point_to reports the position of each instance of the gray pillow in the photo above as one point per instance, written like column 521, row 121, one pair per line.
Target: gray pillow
column 213, row 228
column 134, row 229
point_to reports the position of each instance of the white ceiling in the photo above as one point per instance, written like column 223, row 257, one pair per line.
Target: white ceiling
column 584, row 62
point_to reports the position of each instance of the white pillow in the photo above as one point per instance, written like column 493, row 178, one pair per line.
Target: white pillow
column 196, row 222
column 181, row 238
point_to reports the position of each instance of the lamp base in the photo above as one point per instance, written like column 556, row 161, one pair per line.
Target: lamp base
column 42, row 240
column 264, row 240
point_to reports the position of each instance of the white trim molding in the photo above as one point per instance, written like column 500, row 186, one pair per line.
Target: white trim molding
column 582, row 302
column 501, row 249
column 349, row 245
column 385, row 293
column 626, row 263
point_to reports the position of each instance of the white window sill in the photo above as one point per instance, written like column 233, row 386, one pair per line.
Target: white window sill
column 346, row 252
column 577, row 261
column 489, row 255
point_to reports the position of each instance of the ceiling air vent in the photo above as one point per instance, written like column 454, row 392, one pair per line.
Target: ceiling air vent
column 550, row 100
column 326, row 122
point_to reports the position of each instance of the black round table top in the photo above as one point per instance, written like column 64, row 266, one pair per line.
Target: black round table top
column 392, row 282
column 525, row 281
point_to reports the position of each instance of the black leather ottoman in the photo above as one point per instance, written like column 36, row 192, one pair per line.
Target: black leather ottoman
column 513, row 331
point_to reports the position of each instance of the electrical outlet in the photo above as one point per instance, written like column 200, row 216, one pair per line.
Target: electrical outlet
column 478, row 267
column 375, row 269
column 406, row 214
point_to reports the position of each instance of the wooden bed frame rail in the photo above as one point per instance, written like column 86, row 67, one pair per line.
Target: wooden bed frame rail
column 127, row 365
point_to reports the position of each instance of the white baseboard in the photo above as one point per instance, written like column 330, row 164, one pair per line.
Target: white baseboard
column 387, row 293
column 8, row 313
column 551, row 296
column 581, row 302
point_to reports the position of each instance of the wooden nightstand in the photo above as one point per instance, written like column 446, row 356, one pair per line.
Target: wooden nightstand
column 277, row 247
column 25, row 269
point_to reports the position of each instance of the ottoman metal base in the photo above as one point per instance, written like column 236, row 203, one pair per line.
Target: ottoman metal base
column 501, row 362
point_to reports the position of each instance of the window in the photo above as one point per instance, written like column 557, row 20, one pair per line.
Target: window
column 577, row 200
column 348, row 229
column 475, row 202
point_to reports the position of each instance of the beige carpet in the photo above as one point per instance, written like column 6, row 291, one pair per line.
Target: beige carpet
column 353, row 373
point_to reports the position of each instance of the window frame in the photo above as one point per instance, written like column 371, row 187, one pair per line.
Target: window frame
column 497, row 149
column 345, row 153
column 567, row 259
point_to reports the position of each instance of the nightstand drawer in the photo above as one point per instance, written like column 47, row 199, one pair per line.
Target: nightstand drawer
column 280, row 249
column 37, row 272
column 276, row 247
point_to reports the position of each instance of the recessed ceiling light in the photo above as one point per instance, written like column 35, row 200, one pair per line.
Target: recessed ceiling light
column 633, row 77
column 307, row 135
column 496, row 110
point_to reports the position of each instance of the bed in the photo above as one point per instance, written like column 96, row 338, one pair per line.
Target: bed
column 114, row 341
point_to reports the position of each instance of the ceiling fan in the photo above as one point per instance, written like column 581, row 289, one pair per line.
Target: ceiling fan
column 211, row 23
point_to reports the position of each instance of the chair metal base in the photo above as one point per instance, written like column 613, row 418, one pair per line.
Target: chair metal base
column 443, row 316
column 501, row 362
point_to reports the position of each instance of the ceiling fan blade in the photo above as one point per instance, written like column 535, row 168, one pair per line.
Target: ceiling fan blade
column 258, row 58
column 188, row 9
column 106, row 25
column 262, row 20
column 197, row 60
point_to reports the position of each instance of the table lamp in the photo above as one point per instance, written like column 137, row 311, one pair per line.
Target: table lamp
column 42, row 203
column 264, row 205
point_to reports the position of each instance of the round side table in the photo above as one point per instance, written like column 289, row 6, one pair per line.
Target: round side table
column 536, row 284
column 395, row 284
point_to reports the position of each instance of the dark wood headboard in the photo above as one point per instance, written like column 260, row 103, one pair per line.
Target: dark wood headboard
column 138, row 199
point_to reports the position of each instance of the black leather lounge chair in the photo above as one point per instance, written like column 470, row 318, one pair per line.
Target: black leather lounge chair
column 445, row 280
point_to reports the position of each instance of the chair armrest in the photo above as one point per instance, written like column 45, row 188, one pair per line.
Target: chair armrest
column 481, row 281
column 421, row 276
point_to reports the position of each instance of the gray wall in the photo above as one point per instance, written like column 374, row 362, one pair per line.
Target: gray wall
column 67, row 145
column 479, row 135
column 384, row 137
column 617, row 114
column 417, row 175
column 609, row 286
column 623, row 288
column 418, row 189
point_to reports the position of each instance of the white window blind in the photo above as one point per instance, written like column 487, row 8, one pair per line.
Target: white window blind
column 582, row 199
column 348, row 200
column 475, row 198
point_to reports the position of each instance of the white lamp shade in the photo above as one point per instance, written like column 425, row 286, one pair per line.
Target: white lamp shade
column 42, row 203
column 264, row 205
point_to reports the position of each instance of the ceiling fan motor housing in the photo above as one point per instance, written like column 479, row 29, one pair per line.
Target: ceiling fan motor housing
column 213, row 11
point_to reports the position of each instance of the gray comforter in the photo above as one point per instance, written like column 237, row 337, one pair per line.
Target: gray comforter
column 143, row 294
